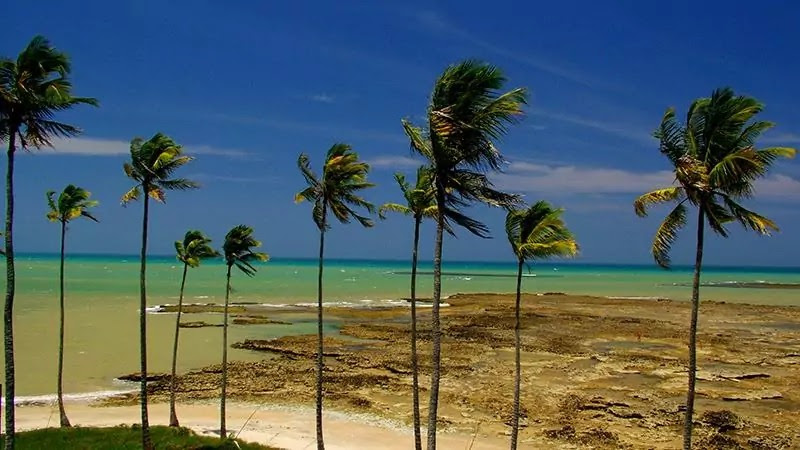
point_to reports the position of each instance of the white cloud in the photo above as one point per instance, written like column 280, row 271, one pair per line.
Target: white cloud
column 567, row 180
column 323, row 98
column 84, row 146
column 616, row 129
column 437, row 24
column 207, row 177
column 393, row 162
column 536, row 178
column 781, row 138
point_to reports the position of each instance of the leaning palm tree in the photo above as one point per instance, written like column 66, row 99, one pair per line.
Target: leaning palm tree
column 33, row 88
column 466, row 115
column 716, row 163
column 238, row 251
column 535, row 233
column 152, row 165
column 72, row 203
column 343, row 177
column 191, row 252
column 420, row 203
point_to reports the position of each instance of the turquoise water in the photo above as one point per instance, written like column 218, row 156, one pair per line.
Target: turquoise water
column 102, row 303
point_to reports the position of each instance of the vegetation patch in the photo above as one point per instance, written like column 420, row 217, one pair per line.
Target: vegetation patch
column 124, row 437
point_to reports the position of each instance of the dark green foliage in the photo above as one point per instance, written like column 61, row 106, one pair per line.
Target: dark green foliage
column 122, row 437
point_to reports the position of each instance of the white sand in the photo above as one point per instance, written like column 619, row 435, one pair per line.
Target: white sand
column 288, row 428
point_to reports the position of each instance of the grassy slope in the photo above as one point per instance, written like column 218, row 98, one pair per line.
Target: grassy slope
column 123, row 437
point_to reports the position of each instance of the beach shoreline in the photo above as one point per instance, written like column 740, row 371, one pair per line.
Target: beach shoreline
column 597, row 371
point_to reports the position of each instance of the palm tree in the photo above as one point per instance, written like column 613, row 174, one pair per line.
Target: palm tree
column 32, row 90
column 238, row 251
column 716, row 162
column 191, row 251
column 420, row 203
column 466, row 115
column 343, row 177
column 72, row 203
column 535, row 233
column 151, row 166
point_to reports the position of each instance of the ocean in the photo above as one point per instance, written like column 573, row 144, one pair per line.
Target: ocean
column 103, row 301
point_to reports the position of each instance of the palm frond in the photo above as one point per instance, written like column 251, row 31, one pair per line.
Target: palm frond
column 749, row 219
column 663, row 195
column 667, row 233
column 238, row 249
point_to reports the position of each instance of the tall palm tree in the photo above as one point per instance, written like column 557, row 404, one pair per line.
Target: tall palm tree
column 466, row 115
column 33, row 88
column 716, row 163
column 72, row 203
column 535, row 233
column 152, row 165
column 343, row 177
column 238, row 251
column 191, row 252
column 420, row 203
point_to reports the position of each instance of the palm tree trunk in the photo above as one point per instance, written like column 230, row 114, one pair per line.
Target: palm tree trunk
column 688, row 419
column 173, row 416
column 223, row 397
column 8, row 316
column 436, row 333
column 320, row 358
column 414, row 358
column 146, row 443
column 61, row 411
column 517, row 366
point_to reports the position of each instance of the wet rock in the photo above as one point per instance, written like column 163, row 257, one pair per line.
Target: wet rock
column 721, row 421
column 198, row 324
column 747, row 396
column 257, row 320
column 151, row 377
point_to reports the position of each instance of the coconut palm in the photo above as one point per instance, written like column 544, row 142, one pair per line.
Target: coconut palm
column 716, row 162
column 420, row 204
column 33, row 88
column 238, row 251
column 152, row 164
column 72, row 203
column 337, row 191
column 466, row 115
column 535, row 233
column 191, row 252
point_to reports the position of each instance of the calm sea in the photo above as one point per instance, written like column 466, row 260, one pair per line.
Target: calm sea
column 102, row 303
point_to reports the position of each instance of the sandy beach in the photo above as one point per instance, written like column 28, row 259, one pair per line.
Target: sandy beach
column 598, row 372
column 283, row 427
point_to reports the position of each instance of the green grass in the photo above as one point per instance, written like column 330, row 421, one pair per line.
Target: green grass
column 124, row 437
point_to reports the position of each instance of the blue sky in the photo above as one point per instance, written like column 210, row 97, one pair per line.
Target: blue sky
column 246, row 86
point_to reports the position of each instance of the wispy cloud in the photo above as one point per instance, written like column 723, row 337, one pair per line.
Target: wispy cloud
column 335, row 131
column 322, row 98
column 438, row 24
column 207, row 177
column 84, row 146
column 623, row 130
column 393, row 162
column 536, row 178
column 781, row 138
column 569, row 180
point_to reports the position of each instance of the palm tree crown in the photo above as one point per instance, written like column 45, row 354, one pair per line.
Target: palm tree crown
column 715, row 162
column 539, row 232
column 73, row 202
column 466, row 115
column 32, row 89
column 238, row 249
column 343, row 176
column 194, row 248
column 420, row 198
column 152, row 163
